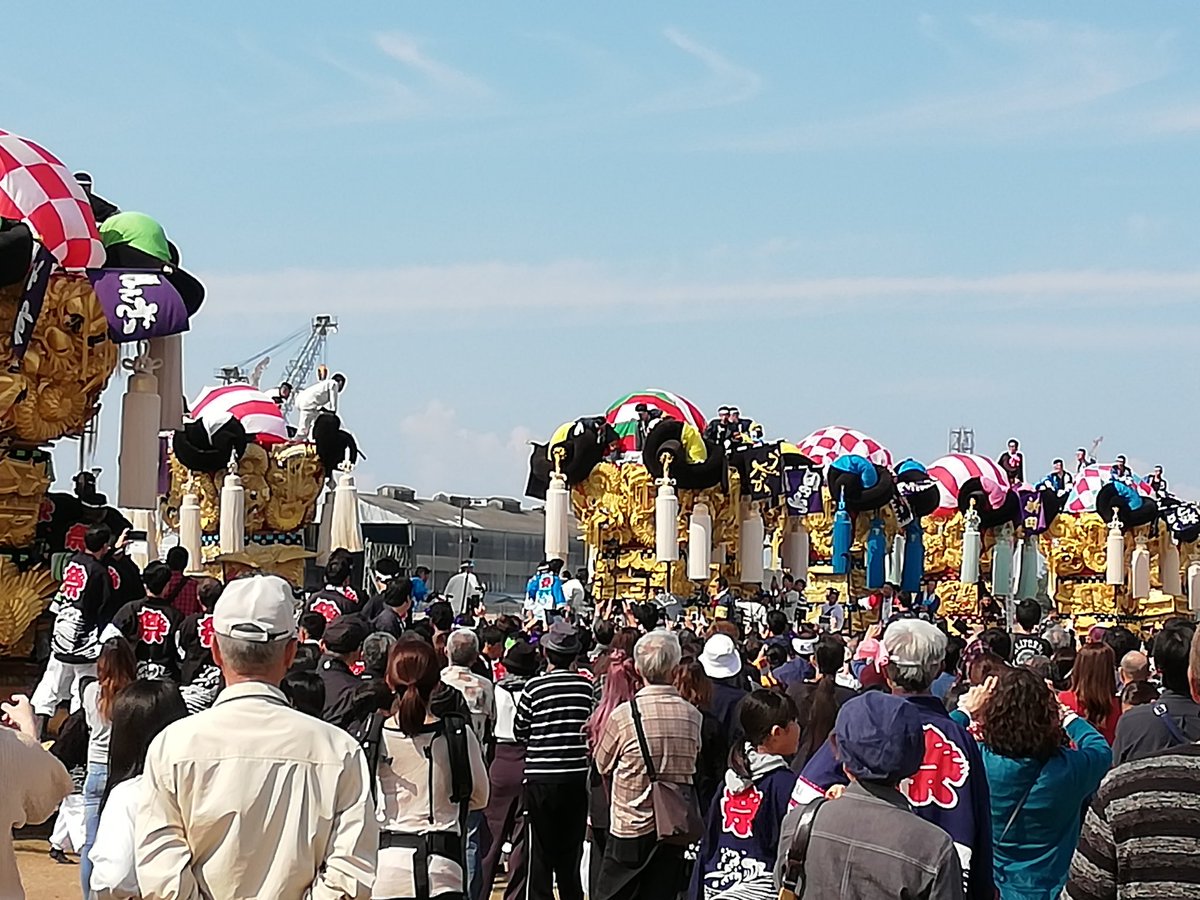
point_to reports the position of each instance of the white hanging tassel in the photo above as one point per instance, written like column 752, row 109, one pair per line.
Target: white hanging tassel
column 1139, row 570
column 325, row 529
column 558, row 499
column 142, row 552
column 344, row 530
column 795, row 550
column 750, row 545
column 1002, row 562
column 189, row 528
column 1168, row 566
column 699, row 559
column 137, row 467
column 1030, row 560
column 233, row 511
column 1193, row 587
column 170, row 380
column 895, row 570
column 972, row 547
column 666, row 522
column 1115, row 549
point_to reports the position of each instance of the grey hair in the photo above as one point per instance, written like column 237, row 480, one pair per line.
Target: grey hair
column 375, row 650
column 1135, row 666
column 916, row 651
column 251, row 658
column 1057, row 637
column 656, row 655
column 462, row 647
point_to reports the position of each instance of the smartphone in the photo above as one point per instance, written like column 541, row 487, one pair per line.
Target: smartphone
column 136, row 535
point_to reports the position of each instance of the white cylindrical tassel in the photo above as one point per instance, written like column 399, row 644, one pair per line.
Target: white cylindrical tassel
column 1168, row 567
column 325, row 529
column 972, row 547
column 1139, row 571
column 189, row 531
column 795, row 550
column 169, row 351
column 750, row 545
column 895, row 570
column 137, row 467
column 1193, row 587
column 558, row 499
column 1115, row 549
column 1002, row 562
column 233, row 513
column 142, row 552
column 699, row 559
column 1027, row 579
column 666, row 524
column 344, row 530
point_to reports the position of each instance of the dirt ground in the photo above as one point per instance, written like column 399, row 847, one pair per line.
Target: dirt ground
column 44, row 879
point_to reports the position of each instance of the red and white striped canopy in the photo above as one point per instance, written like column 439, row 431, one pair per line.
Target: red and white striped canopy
column 622, row 415
column 257, row 412
column 825, row 445
column 37, row 189
column 954, row 470
column 1088, row 483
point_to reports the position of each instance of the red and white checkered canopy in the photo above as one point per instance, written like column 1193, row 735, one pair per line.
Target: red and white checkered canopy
column 825, row 445
column 37, row 189
column 952, row 471
column 1087, row 485
column 258, row 413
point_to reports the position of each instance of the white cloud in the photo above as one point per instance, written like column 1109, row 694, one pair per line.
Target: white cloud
column 1053, row 77
column 436, row 451
column 726, row 84
column 405, row 49
column 583, row 287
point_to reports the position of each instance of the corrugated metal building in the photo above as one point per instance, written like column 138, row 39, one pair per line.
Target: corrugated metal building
column 505, row 540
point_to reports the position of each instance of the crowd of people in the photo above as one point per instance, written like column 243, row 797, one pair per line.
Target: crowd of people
column 239, row 740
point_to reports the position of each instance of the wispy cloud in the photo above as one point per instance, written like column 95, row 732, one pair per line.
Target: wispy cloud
column 584, row 288
column 1023, row 77
column 725, row 83
column 406, row 50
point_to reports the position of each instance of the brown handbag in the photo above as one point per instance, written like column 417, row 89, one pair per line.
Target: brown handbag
column 677, row 817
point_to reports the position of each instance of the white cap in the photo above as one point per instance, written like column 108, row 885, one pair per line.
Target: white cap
column 259, row 609
column 720, row 658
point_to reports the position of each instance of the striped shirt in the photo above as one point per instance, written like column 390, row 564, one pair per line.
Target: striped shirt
column 550, row 718
column 1141, row 835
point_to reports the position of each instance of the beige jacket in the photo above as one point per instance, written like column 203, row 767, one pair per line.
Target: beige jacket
column 33, row 784
column 253, row 799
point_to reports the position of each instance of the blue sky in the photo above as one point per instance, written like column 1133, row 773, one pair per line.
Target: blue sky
column 891, row 216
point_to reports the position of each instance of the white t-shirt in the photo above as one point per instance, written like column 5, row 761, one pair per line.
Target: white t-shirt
column 320, row 395
column 99, row 728
column 574, row 592
column 112, row 854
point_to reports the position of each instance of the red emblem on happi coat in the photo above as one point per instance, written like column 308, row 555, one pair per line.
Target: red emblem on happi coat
column 75, row 579
column 738, row 810
column 943, row 770
column 326, row 608
column 74, row 538
column 153, row 626
column 204, row 629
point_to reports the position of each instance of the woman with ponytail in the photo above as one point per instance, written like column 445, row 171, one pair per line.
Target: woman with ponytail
column 621, row 682
column 818, row 702
column 422, row 828
column 741, row 837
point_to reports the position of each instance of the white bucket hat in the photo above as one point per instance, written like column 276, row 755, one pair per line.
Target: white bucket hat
column 720, row 658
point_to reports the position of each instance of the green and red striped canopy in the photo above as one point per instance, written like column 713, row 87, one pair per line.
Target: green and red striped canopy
column 622, row 415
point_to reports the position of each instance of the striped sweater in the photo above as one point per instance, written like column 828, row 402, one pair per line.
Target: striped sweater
column 1141, row 836
column 549, row 721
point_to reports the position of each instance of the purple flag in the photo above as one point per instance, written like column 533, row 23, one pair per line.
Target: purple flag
column 139, row 304
column 803, row 486
column 32, row 297
column 1033, row 516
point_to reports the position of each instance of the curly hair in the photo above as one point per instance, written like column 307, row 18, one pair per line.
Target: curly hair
column 1021, row 717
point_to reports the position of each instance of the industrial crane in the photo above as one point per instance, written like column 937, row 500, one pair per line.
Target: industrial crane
column 299, row 368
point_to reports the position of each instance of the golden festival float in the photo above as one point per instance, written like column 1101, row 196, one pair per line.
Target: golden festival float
column 663, row 510
column 85, row 285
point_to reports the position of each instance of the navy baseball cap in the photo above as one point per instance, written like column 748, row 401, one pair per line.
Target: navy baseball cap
column 880, row 737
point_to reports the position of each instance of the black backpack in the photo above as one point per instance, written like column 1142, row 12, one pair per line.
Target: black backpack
column 453, row 727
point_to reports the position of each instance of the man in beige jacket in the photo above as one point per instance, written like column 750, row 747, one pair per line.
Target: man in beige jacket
column 251, row 798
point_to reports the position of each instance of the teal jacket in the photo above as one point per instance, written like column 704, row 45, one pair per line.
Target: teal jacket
column 1032, row 860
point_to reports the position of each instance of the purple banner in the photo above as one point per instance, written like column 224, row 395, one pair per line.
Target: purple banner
column 139, row 304
column 32, row 297
column 803, row 486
